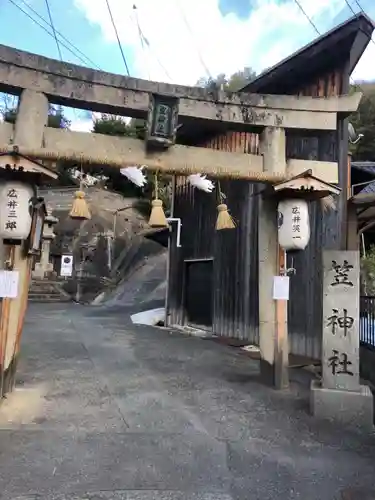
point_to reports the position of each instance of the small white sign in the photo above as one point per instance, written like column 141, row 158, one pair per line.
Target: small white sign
column 281, row 287
column 9, row 284
column 66, row 265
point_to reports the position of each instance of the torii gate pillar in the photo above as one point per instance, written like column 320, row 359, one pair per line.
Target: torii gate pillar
column 273, row 330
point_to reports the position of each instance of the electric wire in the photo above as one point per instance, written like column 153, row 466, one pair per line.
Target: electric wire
column 49, row 33
column 117, row 36
column 54, row 34
column 199, row 53
column 142, row 38
column 58, row 47
column 71, row 44
column 356, row 13
column 297, row 2
column 145, row 42
column 53, row 30
column 360, row 6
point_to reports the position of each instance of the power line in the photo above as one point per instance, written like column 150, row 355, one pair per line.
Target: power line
column 57, row 45
column 144, row 42
column 359, row 5
column 193, row 37
column 142, row 38
column 53, row 30
column 355, row 13
column 316, row 29
column 51, row 34
column 118, row 38
column 61, row 36
column 307, row 16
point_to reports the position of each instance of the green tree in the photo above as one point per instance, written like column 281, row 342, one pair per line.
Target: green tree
column 56, row 116
column 113, row 125
column 56, row 119
column 117, row 126
column 364, row 123
column 368, row 272
column 232, row 83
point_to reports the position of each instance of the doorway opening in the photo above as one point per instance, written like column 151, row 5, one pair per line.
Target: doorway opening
column 198, row 292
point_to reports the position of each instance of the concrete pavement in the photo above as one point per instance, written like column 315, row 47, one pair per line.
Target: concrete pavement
column 105, row 410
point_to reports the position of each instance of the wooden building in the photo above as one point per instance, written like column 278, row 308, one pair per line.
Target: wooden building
column 213, row 276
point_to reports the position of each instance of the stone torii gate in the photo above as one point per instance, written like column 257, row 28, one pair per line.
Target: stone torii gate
column 38, row 81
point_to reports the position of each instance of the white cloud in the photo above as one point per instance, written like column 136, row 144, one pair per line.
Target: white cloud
column 365, row 69
column 227, row 43
column 79, row 124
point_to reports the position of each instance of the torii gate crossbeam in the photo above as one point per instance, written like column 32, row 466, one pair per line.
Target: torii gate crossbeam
column 39, row 80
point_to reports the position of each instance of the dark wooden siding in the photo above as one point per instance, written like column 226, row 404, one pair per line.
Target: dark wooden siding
column 235, row 252
column 235, row 304
column 305, row 305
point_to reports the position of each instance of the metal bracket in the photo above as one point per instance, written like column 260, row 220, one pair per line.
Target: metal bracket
column 179, row 224
column 290, row 271
column 287, row 271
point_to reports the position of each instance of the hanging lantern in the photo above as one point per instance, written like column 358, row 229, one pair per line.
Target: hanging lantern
column 80, row 210
column 293, row 224
column 162, row 121
column 15, row 213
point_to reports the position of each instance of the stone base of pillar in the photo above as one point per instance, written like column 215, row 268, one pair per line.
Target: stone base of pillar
column 354, row 408
column 41, row 271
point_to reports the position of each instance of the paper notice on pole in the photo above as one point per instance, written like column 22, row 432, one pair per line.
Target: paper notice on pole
column 9, row 284
column 281, row 287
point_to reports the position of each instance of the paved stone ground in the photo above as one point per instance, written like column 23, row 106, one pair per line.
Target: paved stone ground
column 105, row 410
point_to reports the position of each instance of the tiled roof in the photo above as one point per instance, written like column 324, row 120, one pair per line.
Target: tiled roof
column 365, row 166
column 369, row 168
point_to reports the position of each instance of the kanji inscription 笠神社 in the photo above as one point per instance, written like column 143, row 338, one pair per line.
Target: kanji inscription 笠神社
column 340, row 349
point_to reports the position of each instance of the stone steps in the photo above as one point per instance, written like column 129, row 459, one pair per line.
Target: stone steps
column 48, row 290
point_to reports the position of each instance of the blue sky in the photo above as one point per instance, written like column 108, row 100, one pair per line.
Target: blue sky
column 226, row 34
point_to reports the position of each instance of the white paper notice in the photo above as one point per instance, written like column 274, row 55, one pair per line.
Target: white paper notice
column 281, row 287
column 9, row 284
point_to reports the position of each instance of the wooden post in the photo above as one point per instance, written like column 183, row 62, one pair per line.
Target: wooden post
column 16, row 314
column 4, row 324
column 273, row 331
column 281, row 337
column 31, row 119
column 352, row 227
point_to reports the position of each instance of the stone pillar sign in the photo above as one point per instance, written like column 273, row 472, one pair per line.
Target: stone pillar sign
column 339, row 395
column 341, row 321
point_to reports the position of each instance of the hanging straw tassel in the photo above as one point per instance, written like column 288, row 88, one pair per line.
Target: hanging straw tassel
column 157, row 216
column 80, row 210
column 224, row 219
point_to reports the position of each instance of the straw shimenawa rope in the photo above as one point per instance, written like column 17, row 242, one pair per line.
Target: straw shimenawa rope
column 156, row 165
column 153, row 164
